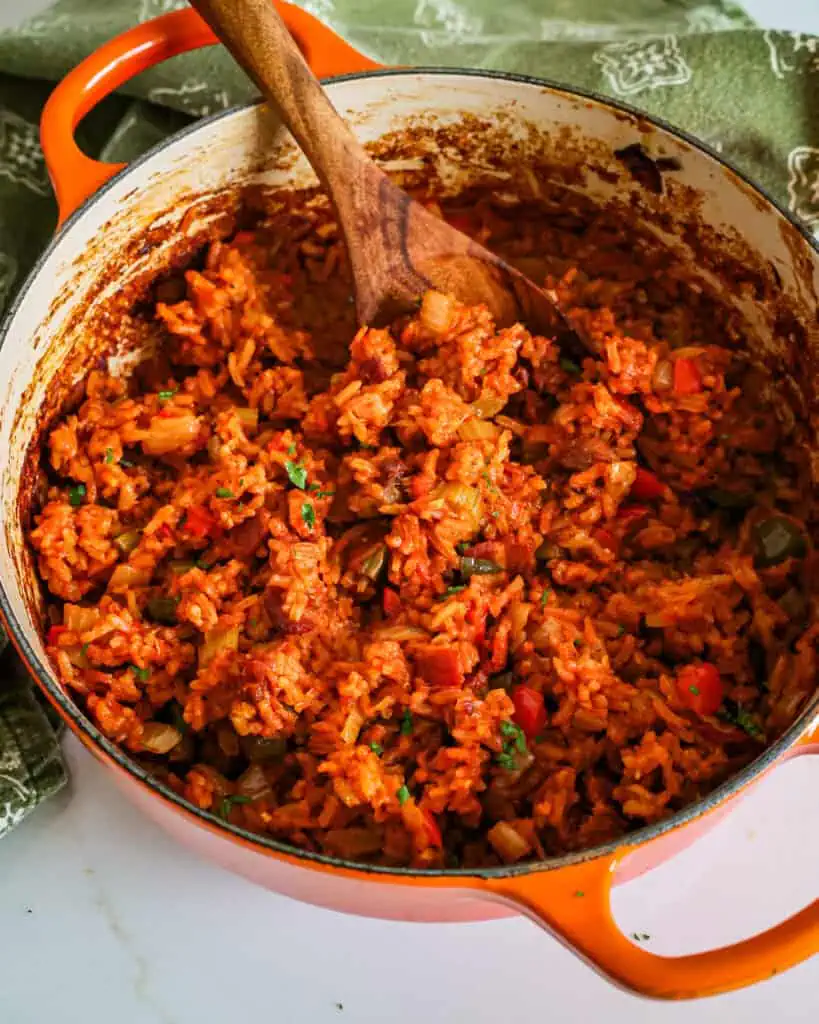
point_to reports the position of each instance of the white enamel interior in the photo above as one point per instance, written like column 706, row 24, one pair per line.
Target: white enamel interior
column 237, row 149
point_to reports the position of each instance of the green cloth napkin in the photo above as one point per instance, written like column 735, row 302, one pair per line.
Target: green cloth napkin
column 701, row 64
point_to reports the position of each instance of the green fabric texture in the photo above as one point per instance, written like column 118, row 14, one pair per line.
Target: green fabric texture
column 753, row 95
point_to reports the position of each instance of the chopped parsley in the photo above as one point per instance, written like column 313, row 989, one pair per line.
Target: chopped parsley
column 742, row 718
column 621, row 631
column 514, row 735
column 406, row 722
column 142, row 674
column 453, row 590
column 291, row 449
column 376, row 748
column 579, row 893
column 227, row 803
column 308, row 515
column 544, row 597
column 694, row 689
column 577, row 642
column 126, row 463
column 109, row 456
column 506, row 761
column 316, row 488
column 85, row 649
column 166, row 396
column 746, row 721
column 76, row 494
column 569, row 365
column 297, row 474
column 403, row 795
column 224, row 492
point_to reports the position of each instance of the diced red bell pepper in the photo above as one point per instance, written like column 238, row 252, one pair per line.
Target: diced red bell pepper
column 530, row 711
column 440, row 666
column 687, row 379
column 700, row 688
column 391, row 602
column 646, row 486
column 54, row 634
column 431, row 828
column 605, row 538
column 476, row 617
column 199, row 521
column 628, row 514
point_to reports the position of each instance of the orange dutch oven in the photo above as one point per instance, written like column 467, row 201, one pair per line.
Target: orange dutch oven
column 120, row 225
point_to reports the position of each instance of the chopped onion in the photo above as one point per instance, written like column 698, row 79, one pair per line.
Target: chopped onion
column 436, row 311
column 477, row 430
column 249, row 418
column 127, row 541
column 79, row 619
column 352, row 726
column 507, row 842
column 216, row 641
column 663, row 376
column 126, row 576
column 159, row 738
column 170, row 433
column 488, row 406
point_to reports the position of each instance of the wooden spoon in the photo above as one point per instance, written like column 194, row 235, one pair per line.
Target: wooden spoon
column 397, row 249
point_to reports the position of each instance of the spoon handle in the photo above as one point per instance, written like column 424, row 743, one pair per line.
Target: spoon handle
column 255, row 34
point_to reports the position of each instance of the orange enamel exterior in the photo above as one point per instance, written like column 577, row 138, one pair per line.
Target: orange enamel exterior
column 549, row 894
column 76, row 176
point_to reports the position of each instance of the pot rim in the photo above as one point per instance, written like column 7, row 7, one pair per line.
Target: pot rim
column 87, row 732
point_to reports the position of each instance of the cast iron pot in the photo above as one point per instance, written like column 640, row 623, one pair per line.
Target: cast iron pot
column 120, row 225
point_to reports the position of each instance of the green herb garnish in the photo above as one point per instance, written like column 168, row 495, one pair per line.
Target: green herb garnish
column 579, row 893
column 621, row 630
column 84, row 649
column 142, row 674
column 291, row 449
column 376, row 748
column 694, row 689
column 308, row 515
column 452, row 590
column 126, row 463
column 403, row 795
column 227, row 803
column 76, row 494
column 742, row 718
column 514, row 734
column 544, row 597
column 297, row 474
column 406, row 722
column 640, row 936
column 569, row 365
column 506, row 761
column 746, row 721
column 166, row 396
column 109, row 456
column 224, row 492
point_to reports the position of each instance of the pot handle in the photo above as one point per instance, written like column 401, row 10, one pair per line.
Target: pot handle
column 573, row 904
column 76, row 176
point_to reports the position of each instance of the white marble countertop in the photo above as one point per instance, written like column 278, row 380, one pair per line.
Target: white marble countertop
column 103, row 920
